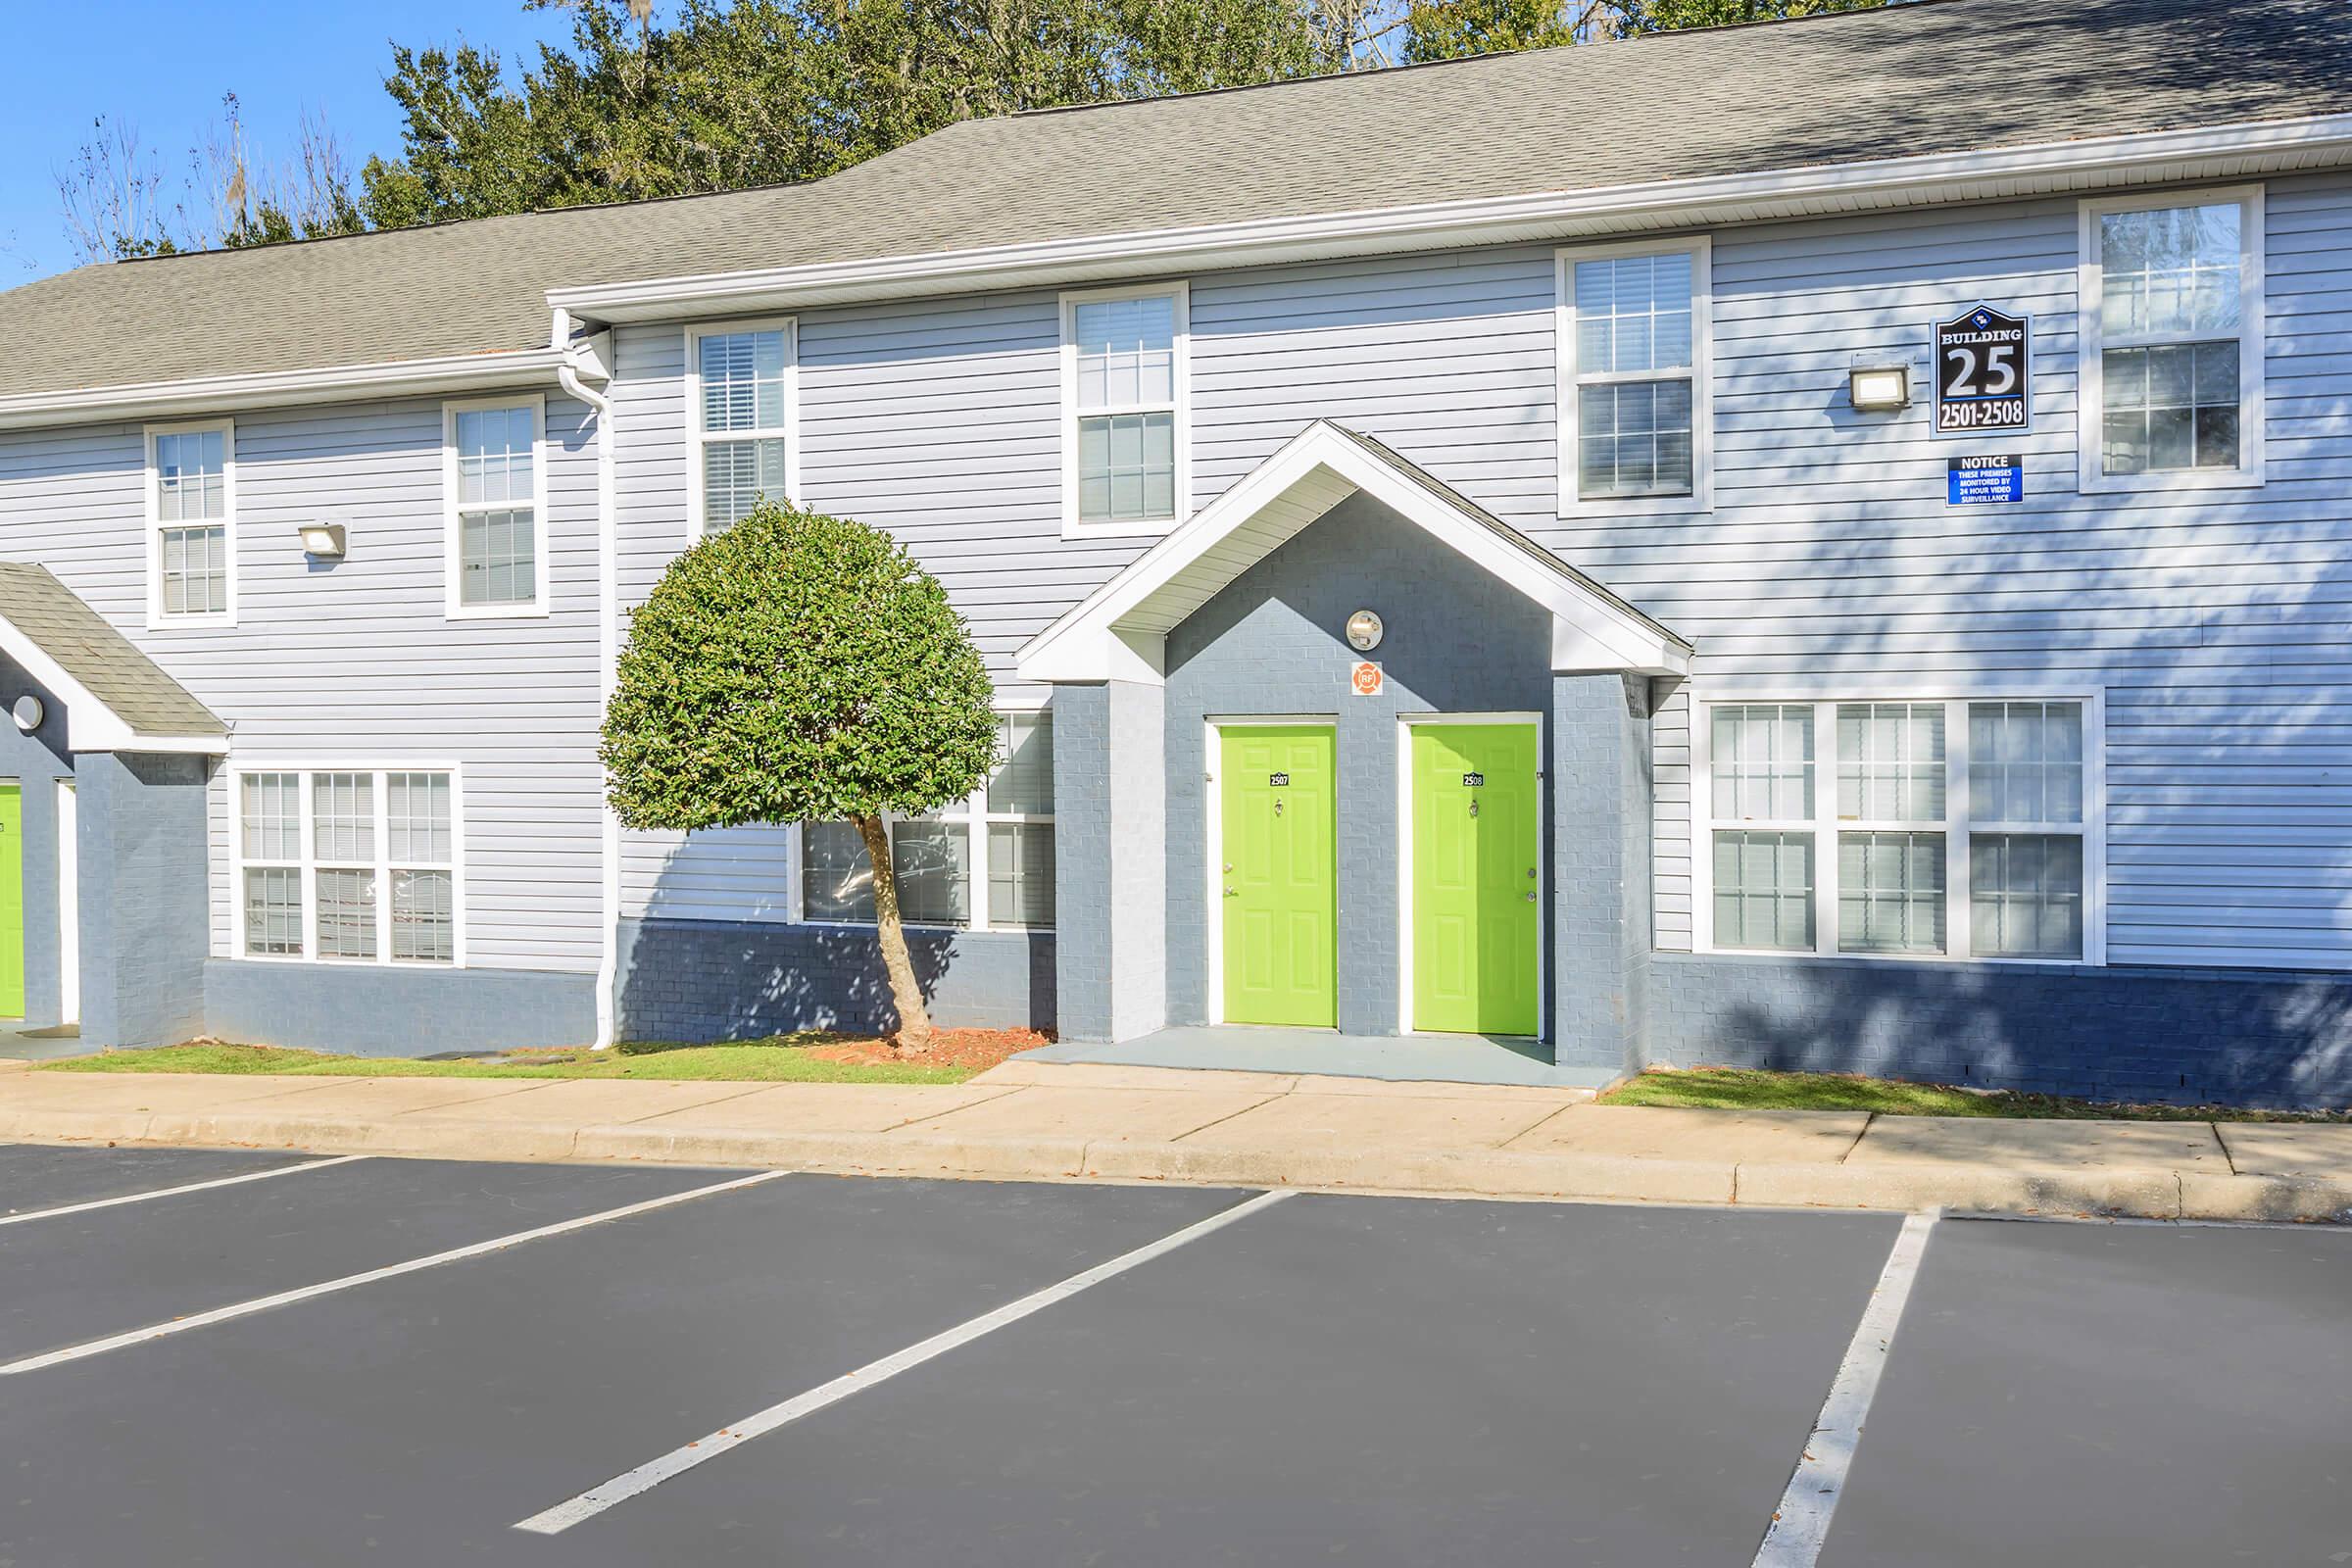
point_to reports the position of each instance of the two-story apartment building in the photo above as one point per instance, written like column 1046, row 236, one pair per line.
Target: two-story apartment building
column 1817, row 544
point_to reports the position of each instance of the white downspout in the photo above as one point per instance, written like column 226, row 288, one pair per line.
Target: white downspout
column 608, row 659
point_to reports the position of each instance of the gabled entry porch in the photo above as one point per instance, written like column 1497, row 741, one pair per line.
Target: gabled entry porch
column 1472, row 860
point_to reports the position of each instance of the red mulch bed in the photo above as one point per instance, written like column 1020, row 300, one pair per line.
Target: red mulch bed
column 977, row 1049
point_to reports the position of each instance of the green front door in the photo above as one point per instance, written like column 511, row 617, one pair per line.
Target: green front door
column 1477, row 886
column 12, row 901
column 1279, row 874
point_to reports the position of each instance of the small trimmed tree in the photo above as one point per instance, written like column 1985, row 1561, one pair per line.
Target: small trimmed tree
column 800, row 668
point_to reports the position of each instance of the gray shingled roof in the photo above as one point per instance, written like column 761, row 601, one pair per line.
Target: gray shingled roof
column 132, row 686
column 1937, row 76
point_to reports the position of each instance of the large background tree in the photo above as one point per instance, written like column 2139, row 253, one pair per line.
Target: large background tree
column 800, row 668
column 700, row 95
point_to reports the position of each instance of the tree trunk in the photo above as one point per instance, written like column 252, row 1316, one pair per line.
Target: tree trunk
column 914, row 1019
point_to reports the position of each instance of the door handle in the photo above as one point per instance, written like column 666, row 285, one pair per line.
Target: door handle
column 1231, row 894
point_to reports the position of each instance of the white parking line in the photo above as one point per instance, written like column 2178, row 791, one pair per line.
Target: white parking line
column 588, row 1504
column 1802, row 1521
column 174, row 1192
column 223, row 1314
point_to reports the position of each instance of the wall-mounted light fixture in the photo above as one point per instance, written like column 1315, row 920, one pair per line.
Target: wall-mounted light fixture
column 1879, row 388
column 322, row 541
column 28, row 713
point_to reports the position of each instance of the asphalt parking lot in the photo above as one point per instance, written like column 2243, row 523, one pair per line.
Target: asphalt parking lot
column 220, row 1358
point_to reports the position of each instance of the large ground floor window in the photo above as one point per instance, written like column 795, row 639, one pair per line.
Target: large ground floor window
column 1919, row 828
column 357, row 865
column 985, row 863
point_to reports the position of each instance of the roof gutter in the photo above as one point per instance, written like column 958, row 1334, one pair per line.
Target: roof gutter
column 263, row 389
column 2148, row 158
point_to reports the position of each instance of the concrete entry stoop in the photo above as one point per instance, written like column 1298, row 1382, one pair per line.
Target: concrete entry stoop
column 1393, row 1058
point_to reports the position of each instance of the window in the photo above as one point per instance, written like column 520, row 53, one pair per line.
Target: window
column 191, row 513
column 742, row 404
column 350, row 864
column 1632, row 327
column 1126, row 459
column 2172, row 317
column 1006, row 827
column 494, row 477
column 1945, row 828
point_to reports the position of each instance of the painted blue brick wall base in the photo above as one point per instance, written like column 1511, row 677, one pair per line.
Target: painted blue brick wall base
column 2175, row 1035
column 730, row 980
column 146, row 914
column 389, row 1010
column 1600, row 805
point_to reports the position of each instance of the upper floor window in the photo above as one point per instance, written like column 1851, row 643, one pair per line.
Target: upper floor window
column 191, row 512
column 496, row 487
column 1633, row 330
column 358, row 865
column 1124, row 440
column 2172, row 319
column 741, row 396
column 1003, row 832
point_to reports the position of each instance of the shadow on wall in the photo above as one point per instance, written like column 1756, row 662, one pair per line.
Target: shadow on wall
column 2163, row 1036
column 730, row 980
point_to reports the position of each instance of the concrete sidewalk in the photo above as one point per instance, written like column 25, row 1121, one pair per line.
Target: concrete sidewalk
column 1032, row 1119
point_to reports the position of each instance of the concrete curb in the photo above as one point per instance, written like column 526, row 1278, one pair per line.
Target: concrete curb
column 2122, row 1192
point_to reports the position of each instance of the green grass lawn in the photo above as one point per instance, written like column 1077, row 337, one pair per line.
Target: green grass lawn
column 783, row 1059
column 1744, row 1089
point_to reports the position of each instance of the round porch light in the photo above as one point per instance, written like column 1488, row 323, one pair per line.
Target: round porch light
column 1365, row 631
column 28, row 713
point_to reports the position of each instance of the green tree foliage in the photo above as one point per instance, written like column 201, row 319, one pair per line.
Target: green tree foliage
column 1448, row 29
column 800, row 668
column 734, row 93
column 705, row 95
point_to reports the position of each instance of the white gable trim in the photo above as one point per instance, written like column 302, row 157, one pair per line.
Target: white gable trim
column 1120, row 632
column 91, row 725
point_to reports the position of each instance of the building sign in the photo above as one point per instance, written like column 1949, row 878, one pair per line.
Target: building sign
column 1983, row 365
column 1365, row 679
column 1974, row 482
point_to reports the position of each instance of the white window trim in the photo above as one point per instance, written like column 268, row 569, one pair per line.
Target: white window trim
column 1825, row 825
column 974, row 814
column 309, row 865
column 1702, row 251
column 2090, row 418
column 451, row 525
column 157, row 620
column 697, row 437
column 1071, row 298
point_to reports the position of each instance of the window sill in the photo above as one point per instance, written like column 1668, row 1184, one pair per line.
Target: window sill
column 162, row 623
column 513, row 611
column 1807, row 954
column 1688, row 503
column 931, row 925
column 2171, row 479
column 1146, row 529
column 447, row 965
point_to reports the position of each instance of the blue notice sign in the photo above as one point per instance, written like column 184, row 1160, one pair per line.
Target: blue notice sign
column 1974, row 481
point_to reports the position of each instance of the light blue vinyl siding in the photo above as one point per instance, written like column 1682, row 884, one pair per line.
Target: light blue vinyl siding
column 358, row 661
column 2213, row 619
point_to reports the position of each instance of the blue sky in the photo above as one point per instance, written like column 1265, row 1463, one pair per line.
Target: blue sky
column 162, row 64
